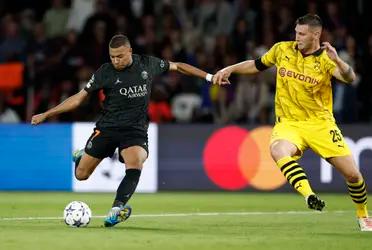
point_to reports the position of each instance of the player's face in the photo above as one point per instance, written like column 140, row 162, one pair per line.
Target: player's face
column 120, row 57
column 305, row 37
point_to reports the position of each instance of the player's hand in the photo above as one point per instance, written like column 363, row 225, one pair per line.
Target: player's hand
column 331, row 51
column 221, row 77
column 39, row 118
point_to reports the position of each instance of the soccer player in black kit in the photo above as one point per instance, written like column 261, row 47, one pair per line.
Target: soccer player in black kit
column 126, row 83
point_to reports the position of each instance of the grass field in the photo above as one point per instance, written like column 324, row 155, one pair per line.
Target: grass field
column 182, row 221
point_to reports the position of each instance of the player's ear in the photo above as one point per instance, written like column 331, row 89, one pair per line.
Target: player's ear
column 317, row 33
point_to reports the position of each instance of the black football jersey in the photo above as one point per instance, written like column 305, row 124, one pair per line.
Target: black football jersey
column 127, row 92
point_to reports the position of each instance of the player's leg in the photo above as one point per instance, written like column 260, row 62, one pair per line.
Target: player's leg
column 357, row 188
column 284, row 154
column 286, row 148
column 85, row 166
column 98, row 146
column 134, row 158
column 355, row 182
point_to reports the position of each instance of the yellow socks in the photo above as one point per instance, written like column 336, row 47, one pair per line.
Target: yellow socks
column 295, row 175
column 358, row 193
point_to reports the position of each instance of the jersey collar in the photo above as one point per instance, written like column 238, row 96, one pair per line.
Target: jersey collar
column 315, row 53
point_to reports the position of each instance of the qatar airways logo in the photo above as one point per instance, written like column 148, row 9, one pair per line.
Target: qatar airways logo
column 134, row 91
column 284, row 72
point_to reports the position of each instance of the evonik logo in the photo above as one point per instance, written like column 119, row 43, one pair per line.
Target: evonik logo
column 298, row 76
column 134, row 91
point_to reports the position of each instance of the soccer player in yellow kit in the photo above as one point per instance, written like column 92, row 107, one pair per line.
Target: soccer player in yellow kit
column 303, row 108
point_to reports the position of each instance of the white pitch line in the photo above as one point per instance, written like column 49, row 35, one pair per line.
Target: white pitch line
column 184, row 215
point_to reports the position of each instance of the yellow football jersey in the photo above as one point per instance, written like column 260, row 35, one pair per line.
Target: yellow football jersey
column 303, row 84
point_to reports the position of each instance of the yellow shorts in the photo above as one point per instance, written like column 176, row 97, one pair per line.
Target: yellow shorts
column 323, row 137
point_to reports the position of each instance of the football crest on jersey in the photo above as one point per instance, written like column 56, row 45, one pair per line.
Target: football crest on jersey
column 162, row 63
column 144, row 75
column 317, row 66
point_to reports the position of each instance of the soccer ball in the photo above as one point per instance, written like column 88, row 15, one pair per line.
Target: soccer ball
column 77, row 214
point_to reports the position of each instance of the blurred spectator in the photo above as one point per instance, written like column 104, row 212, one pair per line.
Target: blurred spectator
column 244, row 11
column 241, row 39
column 37, row 54
column 365, row 88
column 95, row 51
column 7, row 115
column 312, row 7
column 27, row 22
column 333, row 19
column 146, row 39
column 55, row 19
column 66, row 47
column 345, row 98
column 184, row 106
column 72, row 58
column 79, row 12
column 12, row 46
column 159, row 108
column 102, row 16
column 250, row 104
column 286, row 24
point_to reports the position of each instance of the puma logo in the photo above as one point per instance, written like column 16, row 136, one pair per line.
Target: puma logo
column 298, row 186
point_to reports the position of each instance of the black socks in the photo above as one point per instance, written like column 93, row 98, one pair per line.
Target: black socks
column 127, row 187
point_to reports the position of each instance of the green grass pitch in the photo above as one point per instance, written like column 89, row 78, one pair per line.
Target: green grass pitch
column 193, row 221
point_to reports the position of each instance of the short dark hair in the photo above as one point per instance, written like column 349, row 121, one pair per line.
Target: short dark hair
column 118, row 41
column 311, row 20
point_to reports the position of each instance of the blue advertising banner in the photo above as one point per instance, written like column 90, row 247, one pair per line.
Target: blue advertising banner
column 35, row 157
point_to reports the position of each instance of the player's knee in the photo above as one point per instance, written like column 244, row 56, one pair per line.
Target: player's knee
column 353, row 177
column 81, row 174
column 136, row 162
column 276, row 151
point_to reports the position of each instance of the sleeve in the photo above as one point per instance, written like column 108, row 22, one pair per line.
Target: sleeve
column 270, row 58
column 329, row 67
column 95, row 82
column 158, row 66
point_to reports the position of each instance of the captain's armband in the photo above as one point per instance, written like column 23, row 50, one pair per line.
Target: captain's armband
column 259, row 65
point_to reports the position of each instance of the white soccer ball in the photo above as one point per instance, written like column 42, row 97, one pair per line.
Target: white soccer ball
column 77, row 214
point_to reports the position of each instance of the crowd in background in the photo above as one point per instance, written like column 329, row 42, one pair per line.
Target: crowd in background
column 61, row 43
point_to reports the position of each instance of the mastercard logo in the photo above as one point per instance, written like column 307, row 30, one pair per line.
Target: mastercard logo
column 235, row 158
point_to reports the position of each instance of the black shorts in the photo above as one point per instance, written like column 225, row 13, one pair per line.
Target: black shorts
column 103, row 143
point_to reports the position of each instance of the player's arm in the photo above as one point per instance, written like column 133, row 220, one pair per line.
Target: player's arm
column 69, row 104
column 246, row 67
column 187, row 69
column 343, row 71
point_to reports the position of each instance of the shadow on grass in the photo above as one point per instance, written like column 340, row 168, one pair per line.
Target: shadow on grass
column 137, row 228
